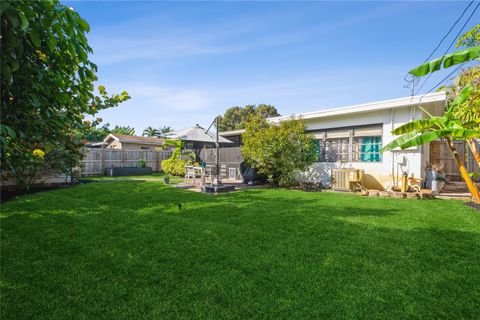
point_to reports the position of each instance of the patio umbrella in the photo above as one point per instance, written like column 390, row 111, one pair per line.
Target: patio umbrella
column 196, row 134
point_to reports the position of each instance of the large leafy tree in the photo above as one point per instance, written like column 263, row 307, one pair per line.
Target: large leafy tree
column 47, row 88
column 151, row 132
column 235, row 118
column 96, row 133
column 278, row 150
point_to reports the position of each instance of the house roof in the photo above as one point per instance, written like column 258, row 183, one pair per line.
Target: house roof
column 371, row 106
column 133, row 139
column 231, row 133
column 197, row 134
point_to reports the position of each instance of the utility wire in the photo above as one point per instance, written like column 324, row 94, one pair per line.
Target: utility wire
column 453, row 26
column 413, row 81
column 453, row 41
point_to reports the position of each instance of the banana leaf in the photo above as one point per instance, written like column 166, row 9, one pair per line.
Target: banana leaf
column 447, row 60
column 460, row 99
column 422, row 139
column 397, row 143
column 417, row 140
column 420, row 125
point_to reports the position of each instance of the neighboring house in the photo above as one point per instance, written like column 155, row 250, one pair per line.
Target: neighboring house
column 235, row 136
column 95, row 145
column 351, row 137
column 126, row 142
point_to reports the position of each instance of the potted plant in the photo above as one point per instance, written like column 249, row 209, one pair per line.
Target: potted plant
column 440, row 181
column 433, row 170
column 166, row 180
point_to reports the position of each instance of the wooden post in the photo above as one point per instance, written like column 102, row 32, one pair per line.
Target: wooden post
column 102, row 162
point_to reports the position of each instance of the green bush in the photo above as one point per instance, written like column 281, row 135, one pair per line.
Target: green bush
column 175, row 166
column 141, row 163
column 279, row 151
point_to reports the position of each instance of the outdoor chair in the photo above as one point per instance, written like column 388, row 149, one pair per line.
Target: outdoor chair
column 189, row 174
column 208, row 172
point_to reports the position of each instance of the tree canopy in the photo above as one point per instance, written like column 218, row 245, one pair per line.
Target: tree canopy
column 151, row 132
column 123, row 130
column 278, row 150
column 47, row 88
column 235, row 118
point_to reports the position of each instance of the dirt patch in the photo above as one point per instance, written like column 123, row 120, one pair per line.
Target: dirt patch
column 473, row 205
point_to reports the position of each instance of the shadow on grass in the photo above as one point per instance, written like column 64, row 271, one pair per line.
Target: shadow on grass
column 126, row 251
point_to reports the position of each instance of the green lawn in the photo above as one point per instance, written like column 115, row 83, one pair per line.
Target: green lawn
column 124, row 250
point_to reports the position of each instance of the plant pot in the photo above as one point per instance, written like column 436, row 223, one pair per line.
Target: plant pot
column 166, row 180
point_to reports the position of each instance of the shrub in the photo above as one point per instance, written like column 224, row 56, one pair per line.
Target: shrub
column 278, row 150
column 175, row 166
column 141, row 163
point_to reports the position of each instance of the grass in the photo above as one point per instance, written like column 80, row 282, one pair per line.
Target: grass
column 124, row 250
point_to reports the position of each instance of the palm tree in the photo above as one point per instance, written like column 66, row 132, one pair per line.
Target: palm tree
column 123, row 130
column 151, row 132
column 165, row 129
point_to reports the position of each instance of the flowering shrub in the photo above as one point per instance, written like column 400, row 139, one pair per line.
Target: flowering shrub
column 175, row 166
column 38, row 153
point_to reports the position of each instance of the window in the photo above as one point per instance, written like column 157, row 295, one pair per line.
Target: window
column 144, row 148
column 361, row 144
column 336, row 150
column 367, row 149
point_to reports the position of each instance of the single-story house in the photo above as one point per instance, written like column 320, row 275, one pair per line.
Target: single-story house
column 352, row 137
column 126, row 142
column 234, row 135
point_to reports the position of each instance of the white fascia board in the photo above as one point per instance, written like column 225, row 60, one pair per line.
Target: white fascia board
column 369, row 107
column 107, row 138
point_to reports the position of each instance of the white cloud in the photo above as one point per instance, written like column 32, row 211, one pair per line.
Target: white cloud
column 168, row 98
column 240, row 35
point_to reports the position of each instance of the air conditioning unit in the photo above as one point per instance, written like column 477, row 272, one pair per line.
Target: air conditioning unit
column 346, row 179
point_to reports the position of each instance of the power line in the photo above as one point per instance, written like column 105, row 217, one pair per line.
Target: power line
column 415, row 80
column 453, row 41
column 453, row 26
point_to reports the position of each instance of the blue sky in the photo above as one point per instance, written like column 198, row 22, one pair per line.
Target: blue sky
column 185, row 62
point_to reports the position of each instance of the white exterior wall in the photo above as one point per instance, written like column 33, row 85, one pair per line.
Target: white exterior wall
column 378, row 175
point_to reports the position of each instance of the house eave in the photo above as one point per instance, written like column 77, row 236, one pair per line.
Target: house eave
column 370, row 107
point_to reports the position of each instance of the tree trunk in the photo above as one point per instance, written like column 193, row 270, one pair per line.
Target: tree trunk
column 473, row 148
column 464, row 173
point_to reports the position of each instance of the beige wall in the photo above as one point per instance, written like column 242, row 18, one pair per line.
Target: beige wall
column 132, row 146
column 115, row 145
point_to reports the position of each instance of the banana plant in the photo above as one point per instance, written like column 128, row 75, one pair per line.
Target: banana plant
column 423, row 131
column 179, row 151
column 446, row 61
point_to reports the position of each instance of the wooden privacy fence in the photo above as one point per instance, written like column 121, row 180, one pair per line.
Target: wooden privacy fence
column 229, row 160
column 440, row 153
column 228, row 156
column 96, row 160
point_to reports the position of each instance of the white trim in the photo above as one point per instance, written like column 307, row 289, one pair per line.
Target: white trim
column 368, row 107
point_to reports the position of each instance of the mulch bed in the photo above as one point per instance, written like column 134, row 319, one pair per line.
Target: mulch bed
column 473, row 205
